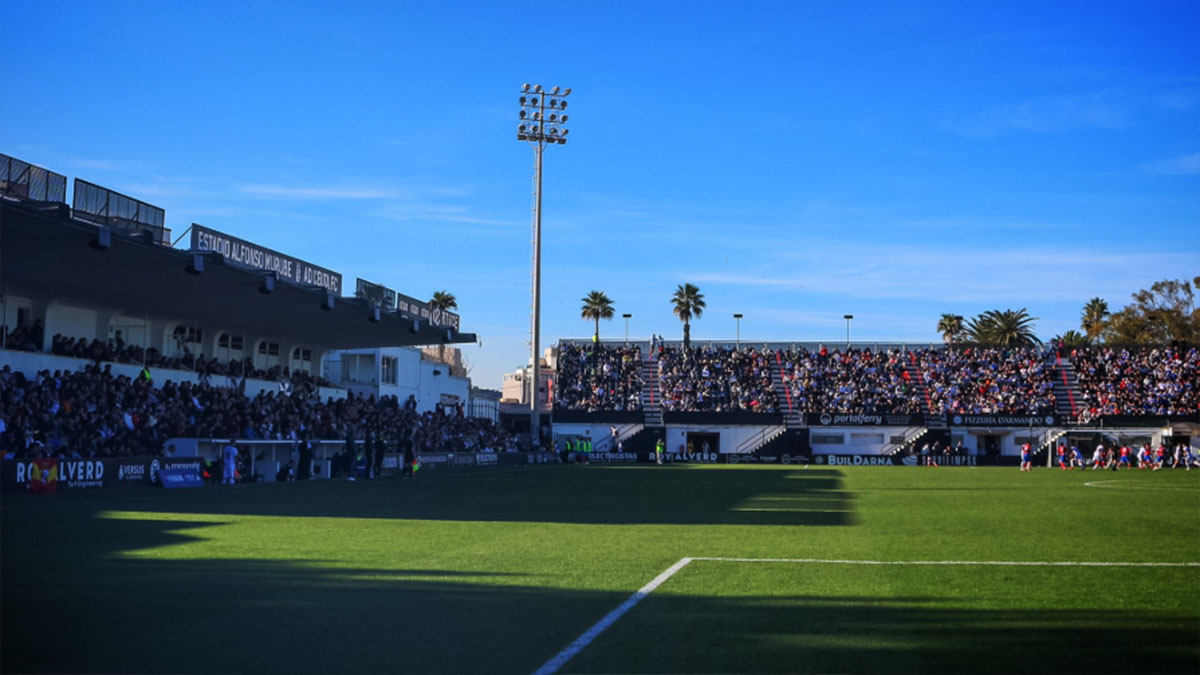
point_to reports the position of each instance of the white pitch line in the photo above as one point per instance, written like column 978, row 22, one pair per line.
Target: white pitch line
column 1126, row 485
column 552, row 666
column 1002, row 563
column 582, row 641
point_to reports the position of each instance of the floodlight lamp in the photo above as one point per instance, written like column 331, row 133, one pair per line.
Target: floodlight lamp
column 521, row 127
column 553, row 102
column 521, row 137
column 525, row 87
column 553, row 117
column 522, row 100
column 555, row 91
column 537, row 88
column 553, row 131
column 567, row 91
column 522, row 114
column 562, row 105
column 563, row 119
column 562, row 141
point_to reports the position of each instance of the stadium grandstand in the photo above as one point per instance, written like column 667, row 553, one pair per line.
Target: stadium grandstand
column 117, row 345
column 114, row 344
column 870, row 403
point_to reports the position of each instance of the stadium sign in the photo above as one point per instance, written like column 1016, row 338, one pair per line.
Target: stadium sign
column 613, row 457
column 864, row 420
column 864, row 460
column 246, row 254
column 688, row 457
column 422, row 310
column 964, row 420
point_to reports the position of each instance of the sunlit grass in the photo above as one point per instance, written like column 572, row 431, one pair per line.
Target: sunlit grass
column 497, row 571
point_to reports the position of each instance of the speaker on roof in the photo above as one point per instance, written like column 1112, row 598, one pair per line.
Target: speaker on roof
column 197, row 266
column 103, row 239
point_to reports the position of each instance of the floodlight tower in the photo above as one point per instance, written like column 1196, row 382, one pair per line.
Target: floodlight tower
column 542, row 118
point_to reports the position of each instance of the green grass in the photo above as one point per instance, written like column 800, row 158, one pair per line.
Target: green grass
column 496, row 571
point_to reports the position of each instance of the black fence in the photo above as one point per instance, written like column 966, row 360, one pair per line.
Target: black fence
column 119, row 212
column 26, row 181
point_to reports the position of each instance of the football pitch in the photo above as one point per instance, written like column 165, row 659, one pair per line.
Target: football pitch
column 613, row 569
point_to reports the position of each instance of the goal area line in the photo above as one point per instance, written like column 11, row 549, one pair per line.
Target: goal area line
column 560, row 659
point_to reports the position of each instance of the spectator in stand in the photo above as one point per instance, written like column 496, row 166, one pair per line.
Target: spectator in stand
column 1138, row 381
column 716, row 379
column 857, row 381
column 986, row 380
column 96, row 414
column 598, row 378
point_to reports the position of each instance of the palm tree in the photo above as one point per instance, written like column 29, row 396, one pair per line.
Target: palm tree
column 1095, row 315
column 443, row 301
column 1073, row 338
column 951, row 327
column 596, row 306
column 1005, row 329
column 688, row 303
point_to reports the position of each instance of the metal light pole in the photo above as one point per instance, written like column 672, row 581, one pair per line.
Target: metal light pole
column 848, row 317
column 540, row 125
column 626, row 317
column 738, row 339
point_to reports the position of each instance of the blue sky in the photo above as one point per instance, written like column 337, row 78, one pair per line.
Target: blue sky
column 796, row 160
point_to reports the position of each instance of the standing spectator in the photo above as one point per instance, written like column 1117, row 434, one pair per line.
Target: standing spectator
column 229, row 458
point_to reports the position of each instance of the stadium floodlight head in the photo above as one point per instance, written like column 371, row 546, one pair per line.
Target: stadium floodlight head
column 546, row 129
column 525, row 87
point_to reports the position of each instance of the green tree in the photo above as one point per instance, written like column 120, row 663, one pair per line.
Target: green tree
column 1095, row 313
column 444, row 301
column 1006, row 328
column 951, row 327
column 1163, row 313
column 687, row 302
column 596, row 306
column 1073, row 338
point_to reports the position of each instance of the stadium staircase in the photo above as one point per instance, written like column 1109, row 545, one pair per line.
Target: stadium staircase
column 910, row 438
column 914, row 376
column 625, row 432
column 760, row 440
column 651, row 396
column 1067, row 394
column 787, row 442
column 643, row 441
column 792, row 418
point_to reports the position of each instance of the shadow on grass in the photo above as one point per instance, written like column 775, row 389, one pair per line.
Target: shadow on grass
column 74, row 609
column 618, row 495
column 801, row 634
